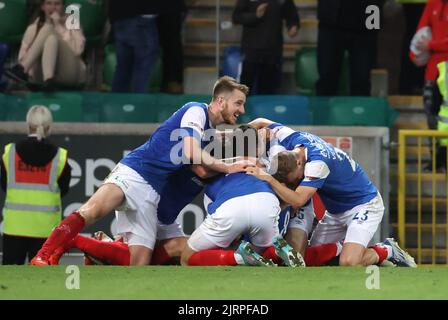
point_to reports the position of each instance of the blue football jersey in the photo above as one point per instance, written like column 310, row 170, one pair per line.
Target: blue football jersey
column 341, row 182
column 161, row 155
column 231, row 186
column 181, row 189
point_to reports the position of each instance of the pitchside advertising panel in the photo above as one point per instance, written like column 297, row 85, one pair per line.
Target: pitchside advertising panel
column 92, row 157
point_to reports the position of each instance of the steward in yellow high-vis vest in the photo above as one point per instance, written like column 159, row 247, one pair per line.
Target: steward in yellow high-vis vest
column 34, row 174
column 442, row 82
column 33, row 200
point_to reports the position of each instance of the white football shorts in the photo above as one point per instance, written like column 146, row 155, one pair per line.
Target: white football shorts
column 255, row 215
column 357, row 225
column 137, row 215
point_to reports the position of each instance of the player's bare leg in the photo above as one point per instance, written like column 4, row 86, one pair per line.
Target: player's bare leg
column 168, row 250
column 354, row 254
column 140, row 255
column 105, row 200
column 298, row 239
column 186, row 255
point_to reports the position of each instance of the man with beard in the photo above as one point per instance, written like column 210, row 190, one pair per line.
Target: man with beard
column 133, row 188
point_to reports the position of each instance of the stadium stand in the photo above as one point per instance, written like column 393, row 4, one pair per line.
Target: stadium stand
column 306, row 74
column 396, row 112
column 13, row 20
column 110, row 62
column 93, row 18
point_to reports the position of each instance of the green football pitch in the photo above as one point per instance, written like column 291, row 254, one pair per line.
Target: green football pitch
column 98, row 282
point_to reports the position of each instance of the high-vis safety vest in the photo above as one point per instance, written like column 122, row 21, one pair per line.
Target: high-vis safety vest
column 442, row 81
column 33, row 200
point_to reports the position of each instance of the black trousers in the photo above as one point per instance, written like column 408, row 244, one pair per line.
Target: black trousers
column 261, row 74
column 331, row 48
column 170, row 39
column 17, row 249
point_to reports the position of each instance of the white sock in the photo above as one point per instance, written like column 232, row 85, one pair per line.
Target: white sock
column 339, row 246
column 239, row 259
column 389, row 251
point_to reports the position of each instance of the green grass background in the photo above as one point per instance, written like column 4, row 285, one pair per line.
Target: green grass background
column 99, row 282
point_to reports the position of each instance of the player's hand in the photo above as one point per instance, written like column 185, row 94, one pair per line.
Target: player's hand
column 293, row 31
column 56, row 18
column 261, row 10
column 259, row 173
column 239, row 166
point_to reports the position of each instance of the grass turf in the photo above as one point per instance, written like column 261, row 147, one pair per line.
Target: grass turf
column 99, row 282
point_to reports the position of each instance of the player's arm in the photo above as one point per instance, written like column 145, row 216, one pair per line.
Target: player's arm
column 197, row 156
column 203, row 172
column 296, row 198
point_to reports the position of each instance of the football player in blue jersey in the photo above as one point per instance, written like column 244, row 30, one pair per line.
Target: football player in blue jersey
column 238, row 204
column 354, row 205
column 133, row 188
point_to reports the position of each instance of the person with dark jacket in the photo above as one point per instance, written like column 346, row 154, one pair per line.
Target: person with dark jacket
column 342, row 28
column 262, row 40
column 35, row 175
column 169, row 23
column 134, row 26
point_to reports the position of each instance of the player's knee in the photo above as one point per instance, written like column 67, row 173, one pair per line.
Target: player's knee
column 140, row 256
column 350, row 261
column 176, row 247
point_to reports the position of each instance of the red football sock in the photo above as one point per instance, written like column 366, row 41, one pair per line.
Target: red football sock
column 114, row 253
column 160, row 256
column 320, row 255
column 213, row 258
column 270, row 254
column 382, row 253
column 66, row 231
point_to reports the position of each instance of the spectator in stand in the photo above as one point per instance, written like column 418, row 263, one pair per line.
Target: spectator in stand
column 430, row 47
column 35, row 175
column 411, row 77
column 134, row 24
column 342, row 27
column 50, row 53
column 169, row 23
column 262, row 41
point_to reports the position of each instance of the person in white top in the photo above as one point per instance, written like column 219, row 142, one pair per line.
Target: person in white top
column 50, row 53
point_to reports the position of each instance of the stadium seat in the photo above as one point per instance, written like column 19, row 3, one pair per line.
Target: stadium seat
column 65, row 106
column 291, row 110
column 110, row 63
column 129, row 108
column 356, row 111
column 307, row 74
column 93, row 18
column 232, row 63
column 168, row 104
column 13, row 20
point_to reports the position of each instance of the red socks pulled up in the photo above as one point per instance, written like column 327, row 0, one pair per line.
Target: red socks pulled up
column 64, row 233
column 113, row 253
column 382, row 253
column 213, row 258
